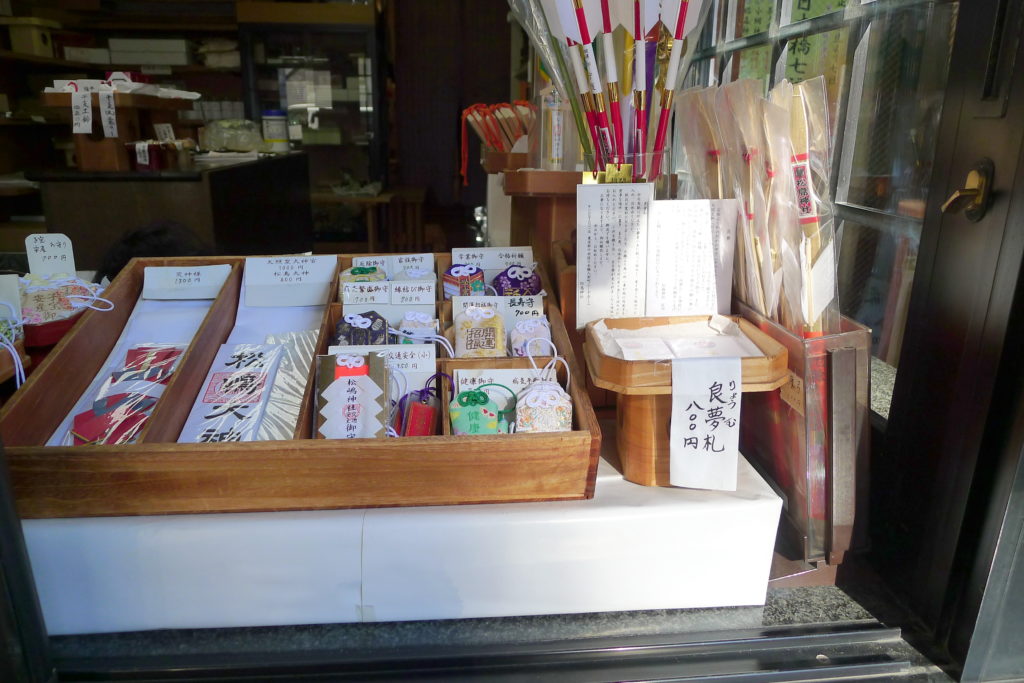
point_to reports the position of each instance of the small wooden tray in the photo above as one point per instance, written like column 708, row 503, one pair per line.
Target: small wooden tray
column 645, row 377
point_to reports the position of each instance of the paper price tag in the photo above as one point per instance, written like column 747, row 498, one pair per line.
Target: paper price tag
column 413, row 292
column 10, row 294
column 406, row 357
column 511, row 308
column 81, row 112
column 514, row 378
column 181, row 282
column 142, row 153
column 396, row 264
column 50, row 253
column 415, row 362
column 164, row 132
column 289, row 280
column 494, row 258
column 108, row 114
column 366, row 292
column 705, row 429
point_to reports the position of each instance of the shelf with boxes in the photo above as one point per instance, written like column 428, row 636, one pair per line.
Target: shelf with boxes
column 157, row 475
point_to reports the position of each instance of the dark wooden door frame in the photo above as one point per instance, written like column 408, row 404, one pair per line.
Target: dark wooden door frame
column 937, row 465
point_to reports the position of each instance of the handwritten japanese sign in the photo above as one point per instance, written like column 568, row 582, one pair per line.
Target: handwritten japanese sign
column 404, row 292
column 515, row 379
column 164, row 132
column 705, row 431
column 396, row 264
column 511, row 308
column 81, row 112
column 184, row 282
column 108, row 114
column 288, row 280
column 493, row 260
column 49, row 253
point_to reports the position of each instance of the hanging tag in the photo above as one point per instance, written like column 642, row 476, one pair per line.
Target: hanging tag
column 705, row 431
column 108, row 114
column 81, row 112
column 49, row 253
column 164, row 132
column 142, row 153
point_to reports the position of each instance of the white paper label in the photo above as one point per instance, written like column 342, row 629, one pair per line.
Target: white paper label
column 184, row 282
column 414, row 363
column 637, row 257
column 164, row 132
column 289, row 280
column 142, row 153
column 399, row 292
column 366, row 292
column 396, row 264
column 705, row 431
column 493, row 260
column 409, row 358
column 515, row 379
column 511, row 308
column 10, row 294
column 611, row 252
column 81, row 112
column 50, row 253
column 681, row 259
column 108, row 114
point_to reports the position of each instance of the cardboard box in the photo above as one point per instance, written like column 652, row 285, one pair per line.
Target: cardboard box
column 31, row 35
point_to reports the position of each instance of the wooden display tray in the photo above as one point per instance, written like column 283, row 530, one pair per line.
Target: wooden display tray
column 760, row 373
column 155, row 475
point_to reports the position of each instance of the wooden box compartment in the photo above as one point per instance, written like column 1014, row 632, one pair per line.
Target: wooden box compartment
column 644, row 406
column 156, row 475
column 564, row 256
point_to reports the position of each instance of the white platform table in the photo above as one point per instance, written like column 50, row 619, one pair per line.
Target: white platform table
column 630, row 548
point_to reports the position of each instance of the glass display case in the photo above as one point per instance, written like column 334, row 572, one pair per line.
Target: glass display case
column 326, row 79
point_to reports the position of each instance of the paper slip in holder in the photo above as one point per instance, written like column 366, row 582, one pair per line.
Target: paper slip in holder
column 644, row 406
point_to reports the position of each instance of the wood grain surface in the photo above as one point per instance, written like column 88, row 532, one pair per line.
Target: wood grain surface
column 156, row 476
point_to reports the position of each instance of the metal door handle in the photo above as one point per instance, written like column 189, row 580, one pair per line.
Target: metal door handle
column 973, row 197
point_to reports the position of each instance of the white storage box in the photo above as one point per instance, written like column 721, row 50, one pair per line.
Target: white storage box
column 630, row 548
column 149, row 58
column 90, row 55
column 148, row 45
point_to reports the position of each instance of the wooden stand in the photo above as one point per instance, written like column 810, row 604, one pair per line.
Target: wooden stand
column 135, row 116
column 644, row 388
column 543, row 209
